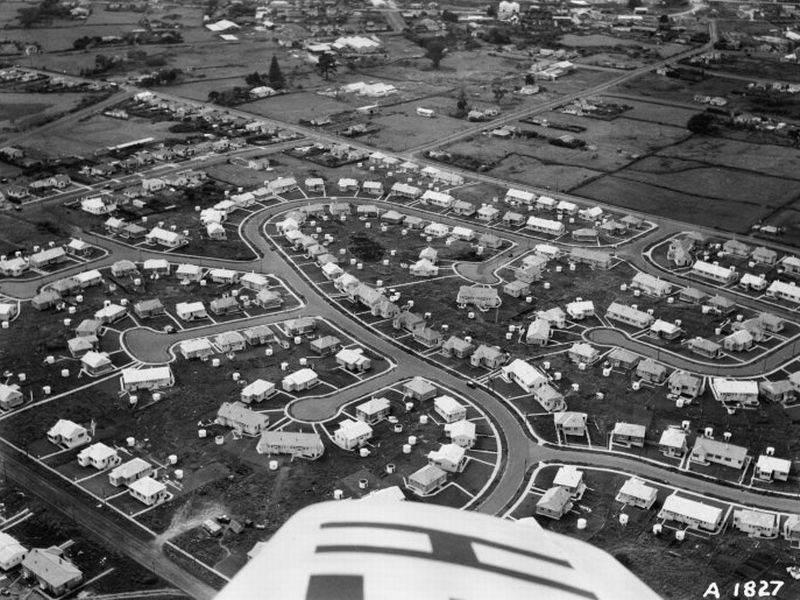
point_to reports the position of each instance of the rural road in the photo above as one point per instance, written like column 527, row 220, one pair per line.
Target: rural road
column 97, row 521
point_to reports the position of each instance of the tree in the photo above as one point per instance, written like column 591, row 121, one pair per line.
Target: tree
column 449, row 16
column 498, row 93
column 275, row 75
column 254, row 79
column 435, row 51
column 701, row 123
column 326, row 65
column 491, row 11
column 462, row 100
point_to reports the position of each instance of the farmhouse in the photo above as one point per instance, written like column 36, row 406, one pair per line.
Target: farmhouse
column 98, row 456
column 683, row 383
column 483, row 297
column 713, row 272
column 735, row 391
column 302, row 379
column 673, row 442
column 68, row 434
column 152, row 378
column 303, row 445
column 490, row 357
column 571, row 423
column 237, row 416
column 449, row 409
column 691, row 513
column 707, row 451
column 427, row 480
column 756, row 523
column 628, row 434
column 449, row 457
column 374, row 410
column 634, row 492
column 629, row 315
column 555, row 503
column 352, row 434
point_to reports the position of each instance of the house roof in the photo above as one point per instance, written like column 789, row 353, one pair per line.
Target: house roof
column 680, row 505
column 773, row 463
column 145, row 375
column 583, row 350
column 704, row 445
column 351, row 429
column 452, row 453
column 289, row 439
column 65, row 428
column 351, row 355
column 462, row 428
column 427, row 475
column 673, row 437
column 756, row 518
column 447, row 404
column 94, row 360
column 10, row 548
column 131, row 468
column 554, row 499
column 48, row 565
column 98, row 452
column 152, row 304
column 147, row 486
column 374, row 405
column 420, row 386
column 629, row 430
column 301, row 376
column 230, row 337
column 196, row 345
column 568, row 476
column 570, row 419
column 734, row 386
column 636, row 488
column 241, row 415
column 525, row 372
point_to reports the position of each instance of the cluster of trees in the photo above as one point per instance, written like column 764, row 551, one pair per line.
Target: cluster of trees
column 45, row 11
column 274, row 78
column 327, row 65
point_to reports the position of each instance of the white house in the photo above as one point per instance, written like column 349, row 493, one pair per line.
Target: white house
column 128, row 472
column 650, row 285
column 713, row 272
column 423, row 268
column 770, row 468
column 110, row 313
column 152, row 378
column 353, row 359
column 523, row 374
column 756, row 523
column 297, row 444
column 374, row 410
column 300, row 380
column 449, row 457
column 545, row 226
column 237, row 416
column 580, row 309
column 449, row 409
column 149, row 491
column 69, row 434
column 736, row 391
column 254, row 281
column 440, row 199
column 96, row 363
column 187, row 272
column 197, row 348
column 156, row 265
column 99, row 456
column 191, row 311
column 673, row 442
column 163, row 237
column 517, row 197
column 462, row 433
column 691, row 513
column 436, row 230
column 427, row 480
column 784, row 291
column 352, row 434
column 258, row 391
column 634, row 492
column 11, row 552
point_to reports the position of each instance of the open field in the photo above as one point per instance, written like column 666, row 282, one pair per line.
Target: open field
column 22, row 110
column 97, row 132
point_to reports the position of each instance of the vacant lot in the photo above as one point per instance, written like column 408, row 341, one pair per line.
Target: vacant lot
column 20, row 110
column 97, row 132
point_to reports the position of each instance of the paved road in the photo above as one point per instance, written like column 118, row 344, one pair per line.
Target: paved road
column 755, row 367
column 97, row 521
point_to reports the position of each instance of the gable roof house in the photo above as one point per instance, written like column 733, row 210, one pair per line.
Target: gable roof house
column 480, row 296
column 54, row 573
column 487, row 356
column 68, row 434
column 707, row 451
column 10, row 396
column 628, row 315
column 257, row 391
column 581, row 352
column 651, row 371
column 457, row 347
column 554, row 503
column 704, row 347
column 239, row 417
column 770, row 468
column 297, row 444
column 634, row 492
column 353, row 360
column 374, row 410
column 449, row 457
column 673, row 442
column 419, row 389
column 570, row 423
column 683, row 383
column 628, row 434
